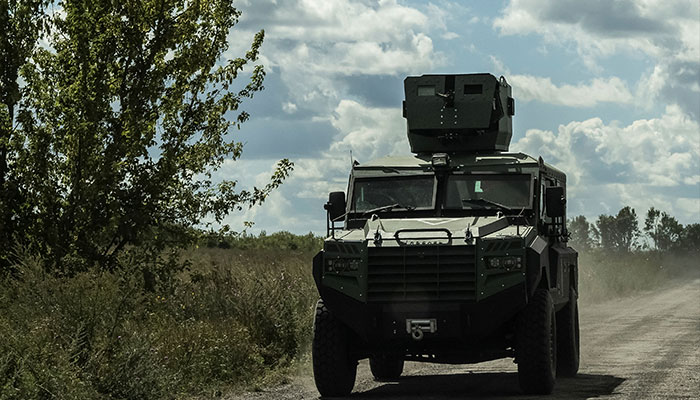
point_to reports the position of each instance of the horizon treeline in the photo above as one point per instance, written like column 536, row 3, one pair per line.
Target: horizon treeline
column 623, row 232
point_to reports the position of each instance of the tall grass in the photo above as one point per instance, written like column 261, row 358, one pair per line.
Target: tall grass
column 233, row 318
column 605, row 275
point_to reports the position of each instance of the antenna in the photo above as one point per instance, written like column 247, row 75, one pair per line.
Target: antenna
column 351, row 163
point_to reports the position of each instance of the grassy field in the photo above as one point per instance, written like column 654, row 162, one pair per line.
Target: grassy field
column 238, row 317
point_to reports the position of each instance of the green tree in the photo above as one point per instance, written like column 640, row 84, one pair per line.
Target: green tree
column 690, row 238
column 22, row 22
column 618, row 232
column 663, row 229
column 125, row 117
column 581, row 233
column 603, row 231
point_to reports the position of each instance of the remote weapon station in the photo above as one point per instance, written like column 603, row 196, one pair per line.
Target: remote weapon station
column 456, row 254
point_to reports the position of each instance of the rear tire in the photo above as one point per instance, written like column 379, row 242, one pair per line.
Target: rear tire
column 536, row 345
column 568, row 337
column 334, row 366
column 385, row 367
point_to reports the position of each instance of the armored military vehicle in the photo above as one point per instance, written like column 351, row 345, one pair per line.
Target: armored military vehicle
column 456, row 254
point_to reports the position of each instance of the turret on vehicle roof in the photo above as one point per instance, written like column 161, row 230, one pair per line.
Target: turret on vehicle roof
column 458, row 113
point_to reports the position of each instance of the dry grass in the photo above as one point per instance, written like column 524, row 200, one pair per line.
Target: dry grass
column 604, row 275
column 234, row 318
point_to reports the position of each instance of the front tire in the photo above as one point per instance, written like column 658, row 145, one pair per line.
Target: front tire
column 568, row 337
column 536, row 345
column 385, row 367
column 335, row 368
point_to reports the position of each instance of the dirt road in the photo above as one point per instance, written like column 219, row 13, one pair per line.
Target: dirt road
column 641, row 347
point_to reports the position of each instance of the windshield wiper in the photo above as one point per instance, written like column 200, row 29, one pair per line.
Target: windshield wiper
column 388, row 208
column 486, row 202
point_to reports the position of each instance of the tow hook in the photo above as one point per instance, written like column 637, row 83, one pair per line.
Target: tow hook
column 416, row 327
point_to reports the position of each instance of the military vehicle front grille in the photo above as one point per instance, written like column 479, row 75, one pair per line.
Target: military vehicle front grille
column 421, row 273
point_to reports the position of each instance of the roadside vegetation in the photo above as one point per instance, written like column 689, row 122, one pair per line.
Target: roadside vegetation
column 234, row 317
column 617, row 257
column 234, row 313
column 116, row 119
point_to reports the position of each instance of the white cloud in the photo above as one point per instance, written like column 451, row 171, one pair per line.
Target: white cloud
column 654, row 27
column 651, row 162
column 328, row 21
column 313, row 43
column 369, row 132
column 665, row 31
column 499, row 68
column 289, row 107
column 610, row 90
column 588, row 94
column 690, row 205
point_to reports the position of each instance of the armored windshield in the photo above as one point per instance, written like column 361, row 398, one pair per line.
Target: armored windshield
column 488, row 192
column 415, row 192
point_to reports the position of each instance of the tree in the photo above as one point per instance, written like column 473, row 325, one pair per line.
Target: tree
column 581, row 233
column 604, row 231
column 663, row 229
column 125, row 118
column 21, row 23
column 690, row 238
column 620, row 232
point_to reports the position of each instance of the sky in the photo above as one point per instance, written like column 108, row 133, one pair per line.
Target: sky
column 606, row 90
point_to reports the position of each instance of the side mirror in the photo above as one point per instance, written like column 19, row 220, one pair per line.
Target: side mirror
column 555, row 201
column 335, row 205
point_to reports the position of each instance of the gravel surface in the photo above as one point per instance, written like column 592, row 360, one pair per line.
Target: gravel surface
column 641, row 347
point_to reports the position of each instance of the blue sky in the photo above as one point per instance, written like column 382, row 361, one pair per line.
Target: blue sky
column 606, row 90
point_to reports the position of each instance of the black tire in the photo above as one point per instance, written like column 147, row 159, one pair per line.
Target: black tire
column 536, row 349
column 568, row 337
column 385, row 367
column 335, row 368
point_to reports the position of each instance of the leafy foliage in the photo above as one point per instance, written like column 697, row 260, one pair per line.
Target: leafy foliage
column 663, row 229
column 621, row 232
column 21, row 23
column 120, row 125
column 581, row 232
column 263, row 241
column 618, row 232
column 690, row 238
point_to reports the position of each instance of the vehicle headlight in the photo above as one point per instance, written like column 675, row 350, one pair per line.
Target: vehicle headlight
column 342, row 264
column 507, row 263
